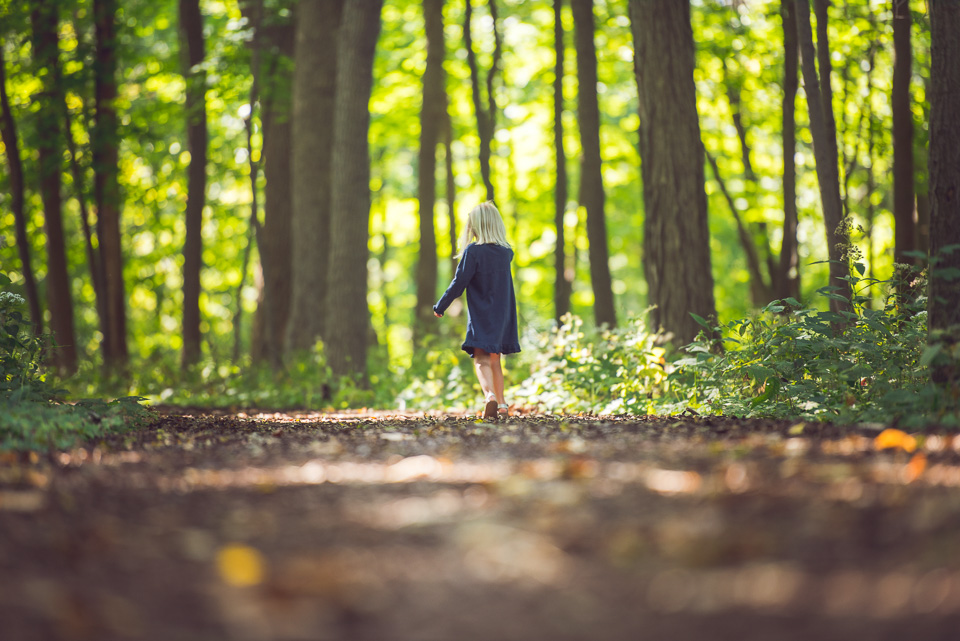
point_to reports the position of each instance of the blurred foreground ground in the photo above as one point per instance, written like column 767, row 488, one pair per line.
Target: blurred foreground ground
column 387, row 527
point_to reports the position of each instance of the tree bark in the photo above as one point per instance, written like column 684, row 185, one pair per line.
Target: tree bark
column 786, row 283
column 451, row 186
column 11, row 144
column 904, row 210
column 944, row 299
column 314, row 91
column 106, row 186
column 824, row 132
column 591, row 180
column 50, row 143
column 676, row 235
column 348, row 316
column 486, row 116
column 562, row 283
column 192, row 56
column 431, row 123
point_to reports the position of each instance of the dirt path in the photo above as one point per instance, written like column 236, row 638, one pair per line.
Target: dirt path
column 385, row 527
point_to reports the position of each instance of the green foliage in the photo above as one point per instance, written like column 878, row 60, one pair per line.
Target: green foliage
column 609, row 372
column 31, row 417
column 861, row 365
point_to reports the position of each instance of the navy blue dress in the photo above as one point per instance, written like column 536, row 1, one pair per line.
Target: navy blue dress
column 484, row 272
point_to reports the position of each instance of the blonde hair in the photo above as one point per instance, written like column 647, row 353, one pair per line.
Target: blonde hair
column 485, row 226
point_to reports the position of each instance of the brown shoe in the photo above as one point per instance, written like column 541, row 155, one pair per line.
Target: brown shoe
column 490, row 410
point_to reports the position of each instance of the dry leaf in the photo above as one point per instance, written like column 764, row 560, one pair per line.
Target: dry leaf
column 891, row 438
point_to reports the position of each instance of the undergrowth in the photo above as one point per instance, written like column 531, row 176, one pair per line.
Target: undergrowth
column 33, row 415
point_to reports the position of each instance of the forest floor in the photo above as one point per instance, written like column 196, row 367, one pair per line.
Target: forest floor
column 378, row 526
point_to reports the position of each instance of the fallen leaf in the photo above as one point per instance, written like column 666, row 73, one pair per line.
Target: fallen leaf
column 892, row 439
column 913, row 469
column 240, row 565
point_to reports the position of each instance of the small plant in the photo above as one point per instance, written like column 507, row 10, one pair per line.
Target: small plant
column 31, row 415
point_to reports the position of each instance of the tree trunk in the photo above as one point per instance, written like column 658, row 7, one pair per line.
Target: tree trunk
column 11, row 144
column 192, row 55
column 823, row 130
column 451, row 187
column 348, row 316
column 591, row 179
column 106, row 187
column 676, row 236
column 273, row 44
column 314, row 91
column 786, row 283
column 562, row 283
column 431, row 123
column 904, row 211
column 944, row 300
column 486, row 116
column 50, row 143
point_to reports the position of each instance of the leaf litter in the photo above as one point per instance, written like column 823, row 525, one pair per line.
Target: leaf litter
column 385, row 525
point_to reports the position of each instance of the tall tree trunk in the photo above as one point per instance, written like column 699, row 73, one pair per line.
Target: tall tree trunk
column 591, row 179
column 11, row 144
column 348, row 316
column 824, row 132
column 676, row 235
column 486, row 116
column 273, row 42
column 904, row 211
column 431, row 123
column 786, row 283
column 314, row 91
column 105, row 142
column 451, row 186
column 944, row 300
column 192, row 55
column 562, row 284
column 50, row 144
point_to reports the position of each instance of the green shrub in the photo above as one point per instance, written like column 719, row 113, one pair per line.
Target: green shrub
column 31, row 414
column 861, row 365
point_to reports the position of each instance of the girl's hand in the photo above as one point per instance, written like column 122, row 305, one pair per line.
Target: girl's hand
column 438, row 315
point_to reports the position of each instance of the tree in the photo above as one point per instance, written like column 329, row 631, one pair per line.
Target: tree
column 11, row 145
column 348, row 316
column 192, row 56
column 105, row 141
column 432, row 117
column 486, row 116
column 272, row 46
column 823, row 129
column 562, row 283
column 904, row 211
column 676, row 236
column 50, row 143
column 314, row 91
column 944, row 298
column 591, row 180
column 787, row 281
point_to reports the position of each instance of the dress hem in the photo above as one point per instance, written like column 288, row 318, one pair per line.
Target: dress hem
column 513, row 348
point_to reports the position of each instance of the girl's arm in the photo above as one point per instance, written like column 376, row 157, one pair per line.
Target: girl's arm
column 465, row 271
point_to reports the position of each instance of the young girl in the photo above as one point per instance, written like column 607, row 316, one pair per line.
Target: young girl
column 484, row 272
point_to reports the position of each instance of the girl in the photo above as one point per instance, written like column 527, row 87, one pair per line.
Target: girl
column 484, row 272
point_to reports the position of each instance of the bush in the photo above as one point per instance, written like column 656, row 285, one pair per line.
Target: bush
column 861, row 365
column 31, row 414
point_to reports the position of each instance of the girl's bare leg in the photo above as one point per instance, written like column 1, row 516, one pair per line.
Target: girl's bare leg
column 482, row 363
column 497, row 372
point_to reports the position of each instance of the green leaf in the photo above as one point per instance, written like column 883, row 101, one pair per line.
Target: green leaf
column 701, row 321
column 929, row 354
column 4, row 279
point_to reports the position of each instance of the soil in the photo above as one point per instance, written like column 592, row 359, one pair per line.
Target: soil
column 385, row 526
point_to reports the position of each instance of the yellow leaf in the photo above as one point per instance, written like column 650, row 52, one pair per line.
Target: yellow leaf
column 913, row 469
column 240, row 565
column 891, row 438
column 796, row 430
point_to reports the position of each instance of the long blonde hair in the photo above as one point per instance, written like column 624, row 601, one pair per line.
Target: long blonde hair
column 485, row 226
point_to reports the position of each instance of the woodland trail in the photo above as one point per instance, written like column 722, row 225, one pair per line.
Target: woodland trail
column 378, row 526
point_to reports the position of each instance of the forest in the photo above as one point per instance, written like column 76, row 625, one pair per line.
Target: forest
column 228, row 411
column 256, row 202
